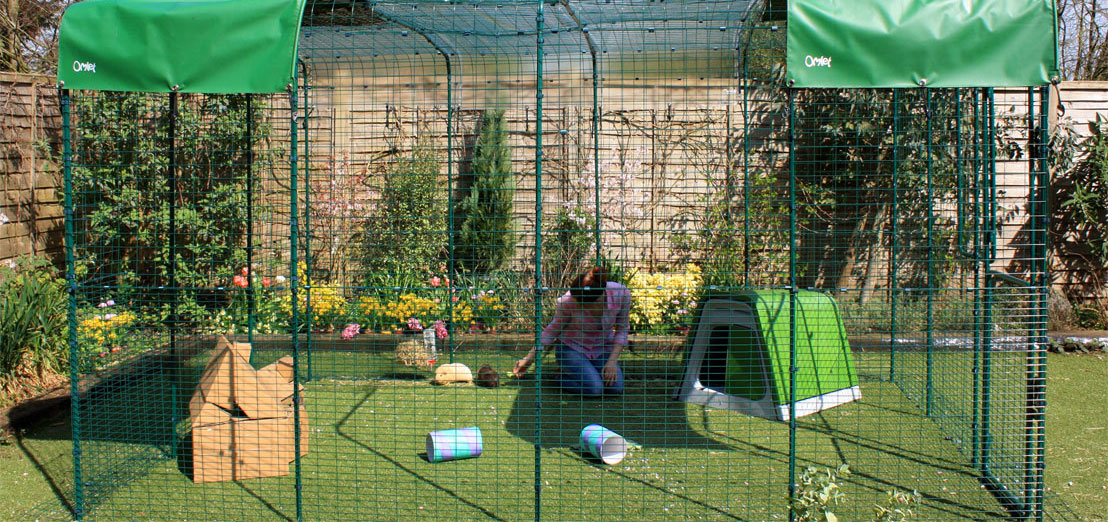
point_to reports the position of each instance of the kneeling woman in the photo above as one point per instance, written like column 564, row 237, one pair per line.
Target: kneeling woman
column 589, row 330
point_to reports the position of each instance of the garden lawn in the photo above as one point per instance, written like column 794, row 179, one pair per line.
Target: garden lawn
column 367, row 437
column 1077, row 433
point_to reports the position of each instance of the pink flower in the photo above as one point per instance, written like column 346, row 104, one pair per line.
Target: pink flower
column 440, row 329
column 240, row 281
column 413, row 324
column 682, row 311
column 676, row 302
column 102, row 305
column 110, row 302
column 351, row 330
column 436, row 281
column 245, row 271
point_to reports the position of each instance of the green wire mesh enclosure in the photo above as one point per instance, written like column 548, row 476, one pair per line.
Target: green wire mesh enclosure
column 450, row 167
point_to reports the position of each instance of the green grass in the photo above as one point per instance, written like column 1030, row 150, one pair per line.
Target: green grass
column 36, row 469
column 367, row 436
column 1077, row 433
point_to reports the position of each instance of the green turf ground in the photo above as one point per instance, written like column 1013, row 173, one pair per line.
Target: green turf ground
column 691, row 463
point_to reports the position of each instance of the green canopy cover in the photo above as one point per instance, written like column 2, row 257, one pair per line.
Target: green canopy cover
column 907, row 43
column 210, row 46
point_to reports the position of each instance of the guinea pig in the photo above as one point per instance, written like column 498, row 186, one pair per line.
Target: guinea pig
column 487, row 377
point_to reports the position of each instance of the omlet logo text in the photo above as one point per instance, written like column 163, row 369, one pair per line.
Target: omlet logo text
column 822, row 61
column 79, row 66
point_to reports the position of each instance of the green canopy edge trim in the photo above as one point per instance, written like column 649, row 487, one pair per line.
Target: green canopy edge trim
column 921, row 43
column 194, row 46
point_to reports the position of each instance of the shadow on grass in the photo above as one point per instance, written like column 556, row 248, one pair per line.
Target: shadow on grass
column 56, row 467
column 645, row 413
column 339, row 429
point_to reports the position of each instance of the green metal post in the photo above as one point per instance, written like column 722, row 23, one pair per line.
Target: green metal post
column 539, row 290
column 1036, row 357
column 792, row 297
column 746, row 176
column 978, row 273
column 930, row 257
column 595, row 145
column 451, row 261
column 893, row 246
column 251, row 298
column 990, row 239
column 71, row 314
column 294, row 286
column 595, row 122
column 302, row 120
column 174, row 291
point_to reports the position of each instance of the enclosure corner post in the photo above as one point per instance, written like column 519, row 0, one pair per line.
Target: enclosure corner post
column 978, row 272
column 71, row 312
column 984, row 433
column 1036, row 357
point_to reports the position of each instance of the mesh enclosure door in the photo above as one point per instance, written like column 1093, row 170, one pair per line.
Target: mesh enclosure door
column 180, row 234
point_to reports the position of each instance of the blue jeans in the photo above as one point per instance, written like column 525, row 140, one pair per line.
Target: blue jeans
column 583, row 375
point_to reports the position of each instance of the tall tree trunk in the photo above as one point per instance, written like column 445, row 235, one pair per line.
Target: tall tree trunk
column 12, row 54
column 850, row 259
column 873, row 266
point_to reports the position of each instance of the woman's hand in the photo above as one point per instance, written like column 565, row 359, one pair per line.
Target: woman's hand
column 523, row 364
column 610, row 372
column 521, row 367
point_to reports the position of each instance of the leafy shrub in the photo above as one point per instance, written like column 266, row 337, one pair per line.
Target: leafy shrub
column 486, row 237
column 664, row 302
column 568, row 247
column 121, row 189
column 33, row 326
column 1087, row 204
column 409, row 228
column 1093, row 316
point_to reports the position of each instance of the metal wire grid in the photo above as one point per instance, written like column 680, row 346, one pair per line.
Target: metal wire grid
column 670, row 148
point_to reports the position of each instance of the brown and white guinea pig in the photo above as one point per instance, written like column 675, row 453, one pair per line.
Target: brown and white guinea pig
column 487, row 377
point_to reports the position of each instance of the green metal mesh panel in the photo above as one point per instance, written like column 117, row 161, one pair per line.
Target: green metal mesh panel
column 430, row 172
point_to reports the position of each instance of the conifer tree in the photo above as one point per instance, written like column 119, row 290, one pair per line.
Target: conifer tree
column 486, row 236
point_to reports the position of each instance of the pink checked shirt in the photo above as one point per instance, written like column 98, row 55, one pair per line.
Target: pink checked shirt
column 588, row 334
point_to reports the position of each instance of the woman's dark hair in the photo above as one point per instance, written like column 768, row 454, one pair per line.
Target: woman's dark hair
column 590, row 285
